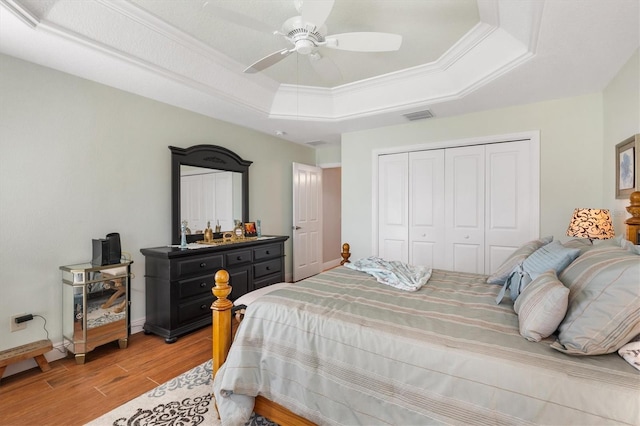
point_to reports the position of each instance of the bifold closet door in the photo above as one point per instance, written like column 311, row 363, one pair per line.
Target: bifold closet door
column 393, row 204
column 511, row 203
column 426, row 209
column 464, row 208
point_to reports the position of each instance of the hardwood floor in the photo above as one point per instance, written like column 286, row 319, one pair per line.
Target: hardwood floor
column 71, row 394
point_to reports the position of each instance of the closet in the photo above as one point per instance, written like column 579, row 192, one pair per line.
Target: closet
column 461, row 208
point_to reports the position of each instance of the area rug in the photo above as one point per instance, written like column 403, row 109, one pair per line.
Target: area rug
column 184, row 400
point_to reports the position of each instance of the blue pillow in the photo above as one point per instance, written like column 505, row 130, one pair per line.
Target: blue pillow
column 552, row 256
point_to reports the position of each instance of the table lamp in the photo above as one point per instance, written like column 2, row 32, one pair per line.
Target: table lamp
column 594, row 224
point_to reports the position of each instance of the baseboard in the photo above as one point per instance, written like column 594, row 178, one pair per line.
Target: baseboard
column 58, row 352
column 331, row 264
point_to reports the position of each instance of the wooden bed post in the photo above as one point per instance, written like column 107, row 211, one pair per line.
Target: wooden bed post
column 221, row 321
column 345, row 254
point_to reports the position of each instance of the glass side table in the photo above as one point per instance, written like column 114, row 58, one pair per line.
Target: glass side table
column 95, row 306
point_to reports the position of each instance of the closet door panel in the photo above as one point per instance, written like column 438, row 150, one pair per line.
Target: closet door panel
column 509, row 203
column 426, row 208
column 464, row 207
column 393, row 215
column 224, row 201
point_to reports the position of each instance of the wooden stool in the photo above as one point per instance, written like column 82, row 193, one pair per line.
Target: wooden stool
column 30, row 350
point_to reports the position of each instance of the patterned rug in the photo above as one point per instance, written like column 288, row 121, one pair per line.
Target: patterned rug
column 184, row 400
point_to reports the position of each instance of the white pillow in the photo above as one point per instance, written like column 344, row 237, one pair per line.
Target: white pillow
column 541, row 306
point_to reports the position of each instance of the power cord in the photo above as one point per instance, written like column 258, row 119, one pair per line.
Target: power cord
column 44, row 326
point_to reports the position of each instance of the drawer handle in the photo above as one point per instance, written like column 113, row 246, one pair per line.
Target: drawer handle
column 239, row 258
column 203, row 264
column 268, row 268
column 268, row 252
column 203, row 306
column 203, row 285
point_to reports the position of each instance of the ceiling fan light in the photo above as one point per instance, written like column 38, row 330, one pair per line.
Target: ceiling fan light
column 304, row 47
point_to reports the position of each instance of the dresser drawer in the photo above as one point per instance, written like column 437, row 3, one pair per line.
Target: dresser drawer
column 267, row 252
column 197, row 265
column 195, row 286
column 196, row 309
column 237, row 257
column 267, row 268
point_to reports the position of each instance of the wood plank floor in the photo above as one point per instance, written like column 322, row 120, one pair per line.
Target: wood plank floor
column 71, row 394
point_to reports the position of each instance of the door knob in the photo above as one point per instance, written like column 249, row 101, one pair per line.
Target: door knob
column 295, row 228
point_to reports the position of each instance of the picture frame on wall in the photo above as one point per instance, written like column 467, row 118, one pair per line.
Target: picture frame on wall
column 627, row 159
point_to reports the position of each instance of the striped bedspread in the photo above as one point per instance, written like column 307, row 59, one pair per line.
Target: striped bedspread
column 341, row 349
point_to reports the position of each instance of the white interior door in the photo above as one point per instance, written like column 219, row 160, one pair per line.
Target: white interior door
column 464, row 207
column 393, row 217
column 307, row 221
column 426, row 208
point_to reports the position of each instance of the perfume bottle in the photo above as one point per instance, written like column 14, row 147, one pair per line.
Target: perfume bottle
column 208, row 233
column 183, row 234
column 258, row 228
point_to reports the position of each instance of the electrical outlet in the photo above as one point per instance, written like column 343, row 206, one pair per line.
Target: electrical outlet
column 14, row 326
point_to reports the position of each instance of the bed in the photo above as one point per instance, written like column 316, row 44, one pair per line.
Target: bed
column 341, row 348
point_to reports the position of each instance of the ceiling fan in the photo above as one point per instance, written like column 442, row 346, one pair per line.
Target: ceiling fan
column 307, row 34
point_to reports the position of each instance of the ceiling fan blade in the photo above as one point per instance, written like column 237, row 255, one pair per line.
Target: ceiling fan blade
column 365, row 42
column 268, row 60
column 326, row 68
column 238, row 18
column 314, row 11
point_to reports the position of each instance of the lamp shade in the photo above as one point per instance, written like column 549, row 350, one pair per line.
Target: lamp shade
column 594, row 224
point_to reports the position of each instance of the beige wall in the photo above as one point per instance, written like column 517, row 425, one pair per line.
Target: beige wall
column 571, row 164
column 331, row 210
column 621, row 120
column 79, row 160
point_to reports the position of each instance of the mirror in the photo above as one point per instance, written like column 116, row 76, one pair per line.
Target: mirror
column 207, row 180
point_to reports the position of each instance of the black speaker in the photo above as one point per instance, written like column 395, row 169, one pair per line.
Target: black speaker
column 106, row 251
column 100, row 252
column 114, row 248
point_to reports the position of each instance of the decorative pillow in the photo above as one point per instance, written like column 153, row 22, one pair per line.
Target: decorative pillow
column 541, row 306
column 579, row 243
column 552, row 256
column 517, row 257
column 604, row 302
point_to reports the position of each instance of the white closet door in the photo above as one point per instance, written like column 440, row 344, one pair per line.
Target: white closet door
column 510, row 203
column 209, row 197
column 191, row 203
column 464, row 208
column 393, row 227
column 426, row 209
column 224, row 201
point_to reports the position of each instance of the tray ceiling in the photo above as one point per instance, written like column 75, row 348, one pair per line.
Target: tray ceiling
column 457, row 56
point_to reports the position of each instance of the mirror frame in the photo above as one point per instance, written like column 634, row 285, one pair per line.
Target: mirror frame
column 210, row 157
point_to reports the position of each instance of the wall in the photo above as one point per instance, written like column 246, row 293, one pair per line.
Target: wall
column 571, row 164
column 79, row 160
column 331, row 206
column 621, row 120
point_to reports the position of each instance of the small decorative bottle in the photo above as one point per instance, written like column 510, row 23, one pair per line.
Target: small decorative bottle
column 258, row 228
column 183, row 234
column 208, row 233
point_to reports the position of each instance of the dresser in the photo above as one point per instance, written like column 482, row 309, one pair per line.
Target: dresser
column 178, row 282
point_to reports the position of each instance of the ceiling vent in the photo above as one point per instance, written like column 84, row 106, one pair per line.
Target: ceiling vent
column 418, row 115
column 316, row 143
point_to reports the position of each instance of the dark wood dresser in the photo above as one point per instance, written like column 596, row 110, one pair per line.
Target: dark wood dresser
column 178, row 281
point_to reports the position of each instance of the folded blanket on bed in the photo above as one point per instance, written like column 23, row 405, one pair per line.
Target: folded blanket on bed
column 631, row 352
column 393, row 273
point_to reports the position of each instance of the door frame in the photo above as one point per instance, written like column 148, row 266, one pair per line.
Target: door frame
column 532, row 136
